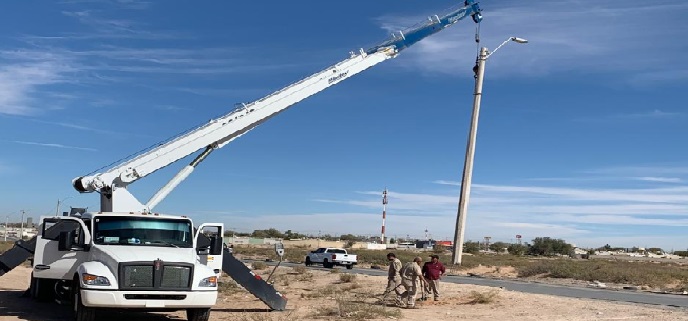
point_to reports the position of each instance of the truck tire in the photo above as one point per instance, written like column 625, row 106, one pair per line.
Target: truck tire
column 201, row 314
column 327, row 265
column 308, row 261
column 41, row 289
column 81, row 312
column 349, row 266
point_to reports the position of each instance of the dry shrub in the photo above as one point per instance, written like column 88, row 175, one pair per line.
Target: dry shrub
column 328, row 291
column 345, row 309
column 350, row 287
column 306, row 277
column 228, row 287
column 258, row 265
column 270, row 316
column 347, row 277
column 483, row 297
column 299, row 269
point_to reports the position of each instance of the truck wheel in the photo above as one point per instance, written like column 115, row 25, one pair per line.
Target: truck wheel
column 349, row 266
column 81, row 312
column 41, row 289
column 308, row 261
column 327, row 265
column 202, row 314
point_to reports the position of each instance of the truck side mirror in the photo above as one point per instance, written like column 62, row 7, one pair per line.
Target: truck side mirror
column 215, row 245
column 65, row 241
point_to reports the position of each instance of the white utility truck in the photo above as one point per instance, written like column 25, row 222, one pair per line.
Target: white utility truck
column 128, row 260
column 127, row 256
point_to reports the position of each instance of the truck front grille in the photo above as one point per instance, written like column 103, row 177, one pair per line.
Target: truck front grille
column 175, row 277
column 155, row 275
column 138, row 276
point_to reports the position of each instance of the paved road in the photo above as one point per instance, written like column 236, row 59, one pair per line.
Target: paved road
column 550, row 289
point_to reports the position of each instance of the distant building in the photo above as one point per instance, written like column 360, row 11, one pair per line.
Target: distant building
column 29, row 221
column 445, row 243
column 425, row 244
column 406, row 245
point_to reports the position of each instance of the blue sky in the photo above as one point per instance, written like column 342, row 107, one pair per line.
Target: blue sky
column 581, row 133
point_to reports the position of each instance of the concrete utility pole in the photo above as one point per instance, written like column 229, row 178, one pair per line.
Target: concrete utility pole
column 479, row 70
column 7, row 222
column 21, row 231
column 468, row 162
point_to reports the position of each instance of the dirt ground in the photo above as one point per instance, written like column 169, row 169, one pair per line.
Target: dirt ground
column 317, row 295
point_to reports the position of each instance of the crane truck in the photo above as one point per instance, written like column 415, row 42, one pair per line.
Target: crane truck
column 128, row 256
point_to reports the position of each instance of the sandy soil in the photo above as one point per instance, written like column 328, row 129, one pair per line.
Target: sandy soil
column 315, row 295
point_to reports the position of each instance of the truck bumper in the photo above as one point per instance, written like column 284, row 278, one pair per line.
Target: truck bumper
column 148, row 300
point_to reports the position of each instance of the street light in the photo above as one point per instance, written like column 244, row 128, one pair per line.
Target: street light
column 479, row 70
column 60, row 202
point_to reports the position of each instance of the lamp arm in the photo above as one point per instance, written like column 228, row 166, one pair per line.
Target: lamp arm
column 500, row 46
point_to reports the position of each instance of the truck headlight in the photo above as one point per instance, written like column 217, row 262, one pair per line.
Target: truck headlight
column 90, row 279
column 209, row 282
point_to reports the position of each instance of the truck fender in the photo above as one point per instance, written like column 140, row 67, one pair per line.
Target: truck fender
column 99, row 269
column 201, row 272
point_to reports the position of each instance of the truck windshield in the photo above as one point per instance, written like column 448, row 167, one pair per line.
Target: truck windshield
column 143, row 231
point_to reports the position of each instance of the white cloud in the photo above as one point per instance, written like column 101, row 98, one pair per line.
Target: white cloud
column 659, row 179
column 643, row 171
column 19, row 82
column 54, row 145
column 558, row 231
column 652, row 114
column 648, row 195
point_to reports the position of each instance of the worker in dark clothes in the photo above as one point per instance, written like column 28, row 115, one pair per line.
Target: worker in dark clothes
column 432, row 272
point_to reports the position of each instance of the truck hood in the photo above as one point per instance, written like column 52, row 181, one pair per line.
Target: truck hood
column 123, row 253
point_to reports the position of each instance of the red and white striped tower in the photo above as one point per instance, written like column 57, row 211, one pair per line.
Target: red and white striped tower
column 384, row 214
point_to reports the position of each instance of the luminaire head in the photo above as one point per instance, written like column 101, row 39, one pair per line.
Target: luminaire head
column 519, row 40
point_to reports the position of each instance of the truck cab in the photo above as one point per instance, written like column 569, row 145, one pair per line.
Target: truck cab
column 135, row 260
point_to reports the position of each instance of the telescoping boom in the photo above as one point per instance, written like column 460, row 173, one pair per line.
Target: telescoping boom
column 111, row 184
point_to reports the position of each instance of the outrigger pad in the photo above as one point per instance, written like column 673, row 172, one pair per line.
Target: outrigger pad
column 252, row 282
column 15, row 256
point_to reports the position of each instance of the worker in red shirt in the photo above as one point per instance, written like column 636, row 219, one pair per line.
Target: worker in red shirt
column 432, row 272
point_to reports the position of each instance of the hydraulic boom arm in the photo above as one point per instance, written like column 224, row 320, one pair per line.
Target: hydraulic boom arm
column 112, row 183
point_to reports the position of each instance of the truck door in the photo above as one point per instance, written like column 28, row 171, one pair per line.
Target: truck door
column 209, row 245
column 61, row 246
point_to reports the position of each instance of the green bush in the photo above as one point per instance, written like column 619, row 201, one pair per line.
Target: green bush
column 517, row 249
column 471, row 247
column 548, row 247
